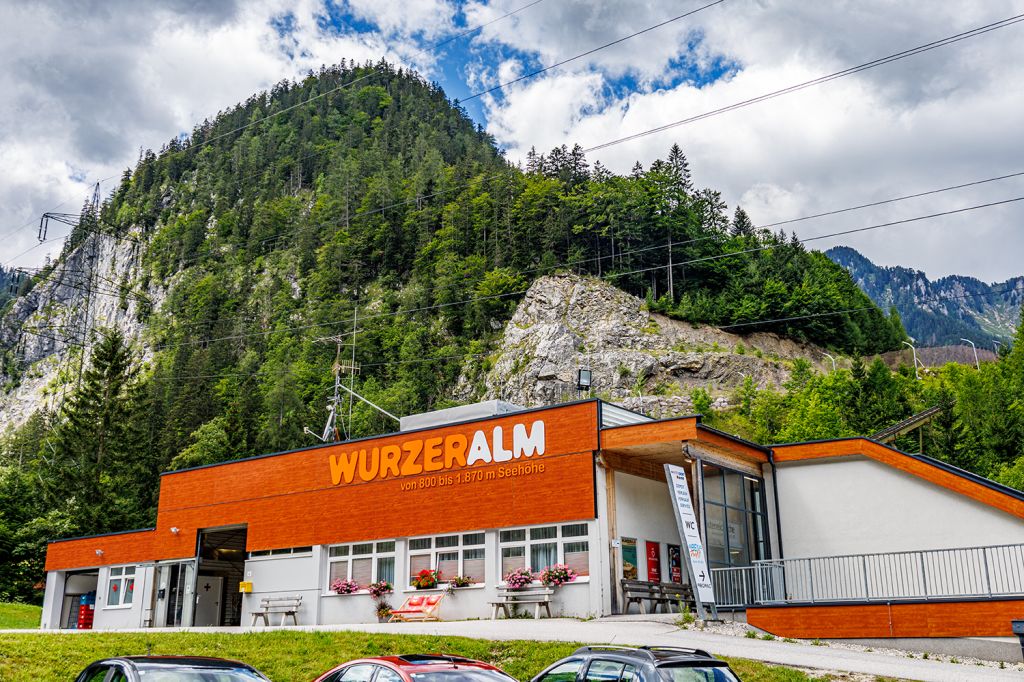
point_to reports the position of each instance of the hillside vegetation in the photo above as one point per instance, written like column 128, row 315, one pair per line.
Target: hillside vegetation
column 382, row 201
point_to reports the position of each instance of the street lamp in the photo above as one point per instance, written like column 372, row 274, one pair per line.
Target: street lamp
column 830, row 358
column 977, row 364
column 917, row 375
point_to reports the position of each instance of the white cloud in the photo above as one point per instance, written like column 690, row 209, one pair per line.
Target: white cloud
column 940, row 118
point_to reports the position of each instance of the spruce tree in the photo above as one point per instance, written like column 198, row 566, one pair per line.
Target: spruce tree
column 101, row 467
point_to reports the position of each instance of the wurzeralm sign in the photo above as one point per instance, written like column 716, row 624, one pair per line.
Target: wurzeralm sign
column 693, row 547
column 440, row 454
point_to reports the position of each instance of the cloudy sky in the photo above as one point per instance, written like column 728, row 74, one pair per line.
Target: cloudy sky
column 86, row 85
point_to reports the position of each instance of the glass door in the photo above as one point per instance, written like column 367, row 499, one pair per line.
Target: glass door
column 174, row 594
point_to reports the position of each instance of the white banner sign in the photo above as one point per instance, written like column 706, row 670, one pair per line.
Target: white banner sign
column 693, row 547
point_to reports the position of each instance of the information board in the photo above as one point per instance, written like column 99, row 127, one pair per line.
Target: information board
column 693, row 547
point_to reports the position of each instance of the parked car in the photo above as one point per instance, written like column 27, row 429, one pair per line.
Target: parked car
column 415, row 668
column 169, row 669
column 642, row 664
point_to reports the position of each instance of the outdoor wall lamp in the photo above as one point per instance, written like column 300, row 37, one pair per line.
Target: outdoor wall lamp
column 99, row 552
column 175, row 530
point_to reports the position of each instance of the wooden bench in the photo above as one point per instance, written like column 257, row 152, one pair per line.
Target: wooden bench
column 539, row 596
column 286, row 606
column 656, row 594
column 419, row 608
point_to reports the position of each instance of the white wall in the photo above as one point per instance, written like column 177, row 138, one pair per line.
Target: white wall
column 108, row 618
column 643, row 510
column 855, row 505
column 284, row 576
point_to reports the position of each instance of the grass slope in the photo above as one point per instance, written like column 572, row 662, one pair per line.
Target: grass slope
column 19, row 616
column 286, row 656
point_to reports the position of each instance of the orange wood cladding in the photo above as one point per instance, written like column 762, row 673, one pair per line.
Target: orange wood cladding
column 290, row 499
column 937, row 619
column 905, row 463
column 730, row 445
column 668, row 430
column 121, row 548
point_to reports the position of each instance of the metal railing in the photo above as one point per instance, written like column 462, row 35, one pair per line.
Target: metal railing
column 992, row 571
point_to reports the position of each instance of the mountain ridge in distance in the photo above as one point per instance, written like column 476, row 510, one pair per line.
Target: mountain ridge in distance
column 938, row 312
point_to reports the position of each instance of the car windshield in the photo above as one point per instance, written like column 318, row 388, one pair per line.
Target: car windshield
column 186, row 674
column 696, row 673
column 462, row 675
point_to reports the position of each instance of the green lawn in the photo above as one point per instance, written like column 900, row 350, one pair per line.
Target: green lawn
column 19, row 616
column 285, row 656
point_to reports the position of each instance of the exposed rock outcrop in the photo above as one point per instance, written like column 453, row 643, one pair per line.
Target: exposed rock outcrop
column 46, row 329
column 641, row 360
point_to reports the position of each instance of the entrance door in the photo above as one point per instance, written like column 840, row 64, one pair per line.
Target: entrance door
column 209, row 595
column 172, row 594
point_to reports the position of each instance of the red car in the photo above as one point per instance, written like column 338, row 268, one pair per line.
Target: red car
column 415, row 668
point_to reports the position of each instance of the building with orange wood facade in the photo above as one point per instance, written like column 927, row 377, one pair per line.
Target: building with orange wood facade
column 482, row 490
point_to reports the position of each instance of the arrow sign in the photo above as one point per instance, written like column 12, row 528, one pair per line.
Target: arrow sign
column 686, row 520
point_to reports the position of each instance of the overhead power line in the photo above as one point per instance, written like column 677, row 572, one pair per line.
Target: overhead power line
column 896, row 56
column 611, row 275
column 589, row 52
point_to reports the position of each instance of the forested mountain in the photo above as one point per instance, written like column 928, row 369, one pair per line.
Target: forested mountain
column 205, row 301
column 940, row 312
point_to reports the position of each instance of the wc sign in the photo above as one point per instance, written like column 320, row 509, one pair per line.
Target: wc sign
column 686, row 520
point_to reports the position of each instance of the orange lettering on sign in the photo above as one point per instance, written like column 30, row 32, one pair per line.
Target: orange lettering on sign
column 389, row 458
column 410, row 467
column 368, row 469
column 432, row 454
column 455, row 450
column 343, row 466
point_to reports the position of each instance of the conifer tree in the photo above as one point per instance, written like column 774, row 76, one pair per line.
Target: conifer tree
column 101, row 468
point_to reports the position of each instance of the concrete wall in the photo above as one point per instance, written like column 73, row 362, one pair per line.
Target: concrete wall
column 854, row 505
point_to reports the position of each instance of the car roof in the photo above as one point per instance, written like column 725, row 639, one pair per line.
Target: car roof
column 658, row 655
column 188, row 661
column 427, row 662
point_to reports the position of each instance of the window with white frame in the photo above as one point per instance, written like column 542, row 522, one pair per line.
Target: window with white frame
column 363, row 562
column 539, row 547
column 121, row 586
column 458, row 554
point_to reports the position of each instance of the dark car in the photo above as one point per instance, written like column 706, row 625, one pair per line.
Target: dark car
column 415, row 668
column 642, row 664
column 169, row 669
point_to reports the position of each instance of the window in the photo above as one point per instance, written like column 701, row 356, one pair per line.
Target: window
column 604, row 671
column 696, row 674
column 734, row 517
column 121, row 586
column 96, row 673
column 361, row 672
column 387, row 675
column 629, row 674
column 541, row 546
column 564, row 672
column 363, row 562
column 280, row 552
column 451, row 555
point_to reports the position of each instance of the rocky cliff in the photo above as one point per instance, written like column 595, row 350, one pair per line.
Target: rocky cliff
column 643, row 361
column 51, row 327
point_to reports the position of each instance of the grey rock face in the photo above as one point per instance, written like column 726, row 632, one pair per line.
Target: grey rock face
column 46, row 328
column 641, row 360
